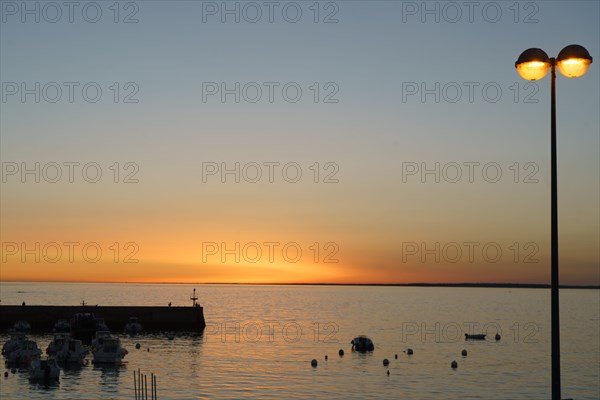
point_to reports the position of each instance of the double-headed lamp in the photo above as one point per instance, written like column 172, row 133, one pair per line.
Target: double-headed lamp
column 573, row 61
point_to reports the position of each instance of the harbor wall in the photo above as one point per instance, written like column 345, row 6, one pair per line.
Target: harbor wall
column 43, row 318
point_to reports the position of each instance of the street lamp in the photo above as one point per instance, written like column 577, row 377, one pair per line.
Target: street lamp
column 573, row 61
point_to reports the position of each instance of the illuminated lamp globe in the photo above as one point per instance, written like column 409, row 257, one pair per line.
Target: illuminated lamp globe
column 533, row 64
column 573, row 61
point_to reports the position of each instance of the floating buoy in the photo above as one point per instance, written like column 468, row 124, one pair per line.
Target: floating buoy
column 313, row 362
column 386, row 361
column 409, row 351
column 396, row 356
column 454, row 365
column 148, row 349
column 137, row 346
column 464, row 353
column 326, row 357
column 497, row 336
column 6, row 374
column 341, row 352
column 388, row 372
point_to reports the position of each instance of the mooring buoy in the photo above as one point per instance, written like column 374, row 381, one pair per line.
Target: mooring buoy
column 454, row 365
column 464, row 353
column 386, row 361
column 497, row 336
column 313, row 362
column 341, row 352
column 409, row 351
column 137, row 346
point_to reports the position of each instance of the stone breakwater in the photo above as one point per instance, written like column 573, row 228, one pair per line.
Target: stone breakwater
column 43, row 318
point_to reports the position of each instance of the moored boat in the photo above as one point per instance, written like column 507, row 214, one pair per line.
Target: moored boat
column 66, row 350
column 62, row 326
column 24, row 353
column 22, row 326
column 99, row 338
column 133, row 327
column 108, row 350
column 12, row 343
column 362, row 344
column 475, row 336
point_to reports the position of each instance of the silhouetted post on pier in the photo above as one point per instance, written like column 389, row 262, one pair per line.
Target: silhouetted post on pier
column 194, row 298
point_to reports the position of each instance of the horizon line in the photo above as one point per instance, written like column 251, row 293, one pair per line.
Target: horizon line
column 413, row 284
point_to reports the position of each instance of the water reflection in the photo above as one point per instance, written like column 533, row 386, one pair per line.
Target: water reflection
column 195, row 349
column 44, row 386
column 109, row 375
column 73, row 370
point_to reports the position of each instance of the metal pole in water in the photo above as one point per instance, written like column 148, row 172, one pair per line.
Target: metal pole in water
column 146, row 386
column 135, row 385
column 152, row 385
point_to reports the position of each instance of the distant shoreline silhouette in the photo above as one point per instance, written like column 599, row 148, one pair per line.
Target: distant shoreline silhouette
column 416, row 284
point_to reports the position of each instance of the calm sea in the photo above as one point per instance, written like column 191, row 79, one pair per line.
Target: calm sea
column 259, row 342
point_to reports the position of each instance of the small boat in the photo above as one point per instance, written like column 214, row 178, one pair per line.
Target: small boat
column 62, row 326
column 22, row 326
column 24, row 353
column 12, row 343
column 66, row 350
column 133, row 327
column 362, row 344
column 108, row 350
column 474, row 336
column 44, row 370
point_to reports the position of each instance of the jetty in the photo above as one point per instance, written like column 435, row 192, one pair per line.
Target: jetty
column 42, row 318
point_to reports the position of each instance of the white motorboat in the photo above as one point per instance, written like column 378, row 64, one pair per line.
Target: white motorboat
column 108, row 350
column 24, row 353
column 44, row 370
column 66, row 350
column 133, row 327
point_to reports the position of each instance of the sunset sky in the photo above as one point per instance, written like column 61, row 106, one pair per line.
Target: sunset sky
column 347, row 190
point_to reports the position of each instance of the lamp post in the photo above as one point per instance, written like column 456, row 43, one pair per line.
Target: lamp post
column 573, row 61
